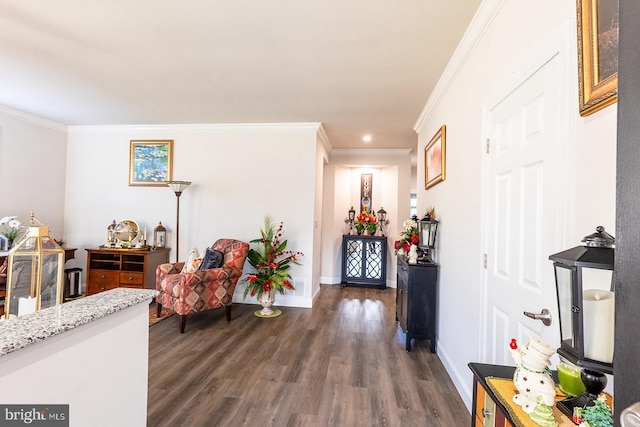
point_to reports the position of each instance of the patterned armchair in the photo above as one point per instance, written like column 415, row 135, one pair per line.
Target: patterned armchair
column 187, row 293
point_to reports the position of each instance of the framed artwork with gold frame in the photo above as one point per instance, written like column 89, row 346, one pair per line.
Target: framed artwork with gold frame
column 150, row 162
column 597, row 54
column 435, row 159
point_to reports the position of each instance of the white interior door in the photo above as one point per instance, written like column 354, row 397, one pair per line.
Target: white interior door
column 522, row 213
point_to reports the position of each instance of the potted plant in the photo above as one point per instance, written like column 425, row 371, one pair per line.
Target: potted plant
column 271, row 261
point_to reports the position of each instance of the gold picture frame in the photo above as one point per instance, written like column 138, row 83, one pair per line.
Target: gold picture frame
column 597, row 54
column 435, row 159
column 150, row 162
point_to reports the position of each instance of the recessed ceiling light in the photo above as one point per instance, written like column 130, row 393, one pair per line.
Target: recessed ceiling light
column 366, row 138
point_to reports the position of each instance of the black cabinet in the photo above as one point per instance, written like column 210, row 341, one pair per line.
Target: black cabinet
column 417, row 300
column 364, row 260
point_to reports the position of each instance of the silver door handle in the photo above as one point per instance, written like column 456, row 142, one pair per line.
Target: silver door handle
column 545, row 316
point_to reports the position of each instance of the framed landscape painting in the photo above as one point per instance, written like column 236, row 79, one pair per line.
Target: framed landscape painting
column 435, row 159
column 150, row 162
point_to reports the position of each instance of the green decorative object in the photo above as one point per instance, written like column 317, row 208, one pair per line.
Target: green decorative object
column 543, row 414
column 597, row 415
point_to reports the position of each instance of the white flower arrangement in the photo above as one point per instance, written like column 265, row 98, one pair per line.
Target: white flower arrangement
column 11, row 227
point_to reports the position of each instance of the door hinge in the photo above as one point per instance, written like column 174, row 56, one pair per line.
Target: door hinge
column 488, row 145
column 484, row 261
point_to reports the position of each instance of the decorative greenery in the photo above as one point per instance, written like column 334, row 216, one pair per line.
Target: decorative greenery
column 598, row 415
column 367, row 221
column 271, row 262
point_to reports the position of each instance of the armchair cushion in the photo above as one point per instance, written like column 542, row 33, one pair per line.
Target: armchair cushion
column 192, row 263
column 212, row 259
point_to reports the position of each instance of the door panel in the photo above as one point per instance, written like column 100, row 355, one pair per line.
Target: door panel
column 522, row 178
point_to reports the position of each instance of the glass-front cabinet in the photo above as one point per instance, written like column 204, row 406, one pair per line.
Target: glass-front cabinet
column 364, row 260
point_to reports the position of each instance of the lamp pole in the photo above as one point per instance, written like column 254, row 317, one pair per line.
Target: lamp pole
column 178, row 187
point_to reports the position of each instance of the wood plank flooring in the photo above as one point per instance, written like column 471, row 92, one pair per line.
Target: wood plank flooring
column 342, row 363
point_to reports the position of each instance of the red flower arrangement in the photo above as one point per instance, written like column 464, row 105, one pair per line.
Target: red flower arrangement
column 408, row 236
column 271, row 262
column 367, row 221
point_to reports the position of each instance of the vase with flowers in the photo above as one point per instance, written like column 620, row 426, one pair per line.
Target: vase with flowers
column 408, row 236
column 271, row 261
column 366, row 223
column 11, row 229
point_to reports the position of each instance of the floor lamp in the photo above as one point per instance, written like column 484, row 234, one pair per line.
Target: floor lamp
column 178, row 187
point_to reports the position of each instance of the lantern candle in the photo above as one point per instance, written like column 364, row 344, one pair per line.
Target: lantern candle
column 598, row 324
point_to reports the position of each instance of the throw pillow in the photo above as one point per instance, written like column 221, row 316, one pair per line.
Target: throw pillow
column 191, row 259
column 212, row 259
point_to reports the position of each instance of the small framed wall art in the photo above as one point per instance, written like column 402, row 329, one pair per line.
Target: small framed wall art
column 150, row 163
column 435, row 159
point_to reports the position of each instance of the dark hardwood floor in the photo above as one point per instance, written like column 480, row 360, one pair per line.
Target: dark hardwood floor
column 342, row 363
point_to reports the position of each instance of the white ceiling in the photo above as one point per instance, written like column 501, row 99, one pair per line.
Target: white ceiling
column 357, row 66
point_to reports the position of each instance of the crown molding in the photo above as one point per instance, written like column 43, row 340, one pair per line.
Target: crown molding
column 484, row 16
column 371, row 152
column 31, row 118
column 223, row 127
column 324, row 139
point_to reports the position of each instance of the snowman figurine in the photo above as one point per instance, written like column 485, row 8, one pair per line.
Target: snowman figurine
column 532, row 377
column 413, row 254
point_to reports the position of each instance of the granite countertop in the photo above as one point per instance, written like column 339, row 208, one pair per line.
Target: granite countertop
column 32, row 328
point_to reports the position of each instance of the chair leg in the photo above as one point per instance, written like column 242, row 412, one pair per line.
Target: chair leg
column 183, row 322
column 158, row 309
column 228, row 313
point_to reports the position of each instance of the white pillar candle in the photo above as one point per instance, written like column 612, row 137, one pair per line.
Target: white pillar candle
column 598, row 320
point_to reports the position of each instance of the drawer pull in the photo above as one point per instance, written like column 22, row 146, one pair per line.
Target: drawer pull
column 103, row 277
column 485, row 413
column 130, row 278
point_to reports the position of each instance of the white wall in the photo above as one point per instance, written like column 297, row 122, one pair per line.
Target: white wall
column 239, row 174
column 32, row 169
column 498, row 47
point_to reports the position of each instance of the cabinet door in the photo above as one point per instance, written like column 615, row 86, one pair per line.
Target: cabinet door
column 353, row 258
column 374, row 259
column 422, row 287
column 401, row 295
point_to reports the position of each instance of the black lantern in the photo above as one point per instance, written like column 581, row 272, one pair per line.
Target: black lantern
column 585, row 295
column 382, row 221
column 351, row 222
column 352, row 214
column 427, row 230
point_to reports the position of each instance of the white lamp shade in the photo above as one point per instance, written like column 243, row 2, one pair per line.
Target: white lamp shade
column 178, row 186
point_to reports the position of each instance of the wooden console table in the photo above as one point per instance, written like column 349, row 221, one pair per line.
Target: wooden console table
column 493, row 390
column 124, row 268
